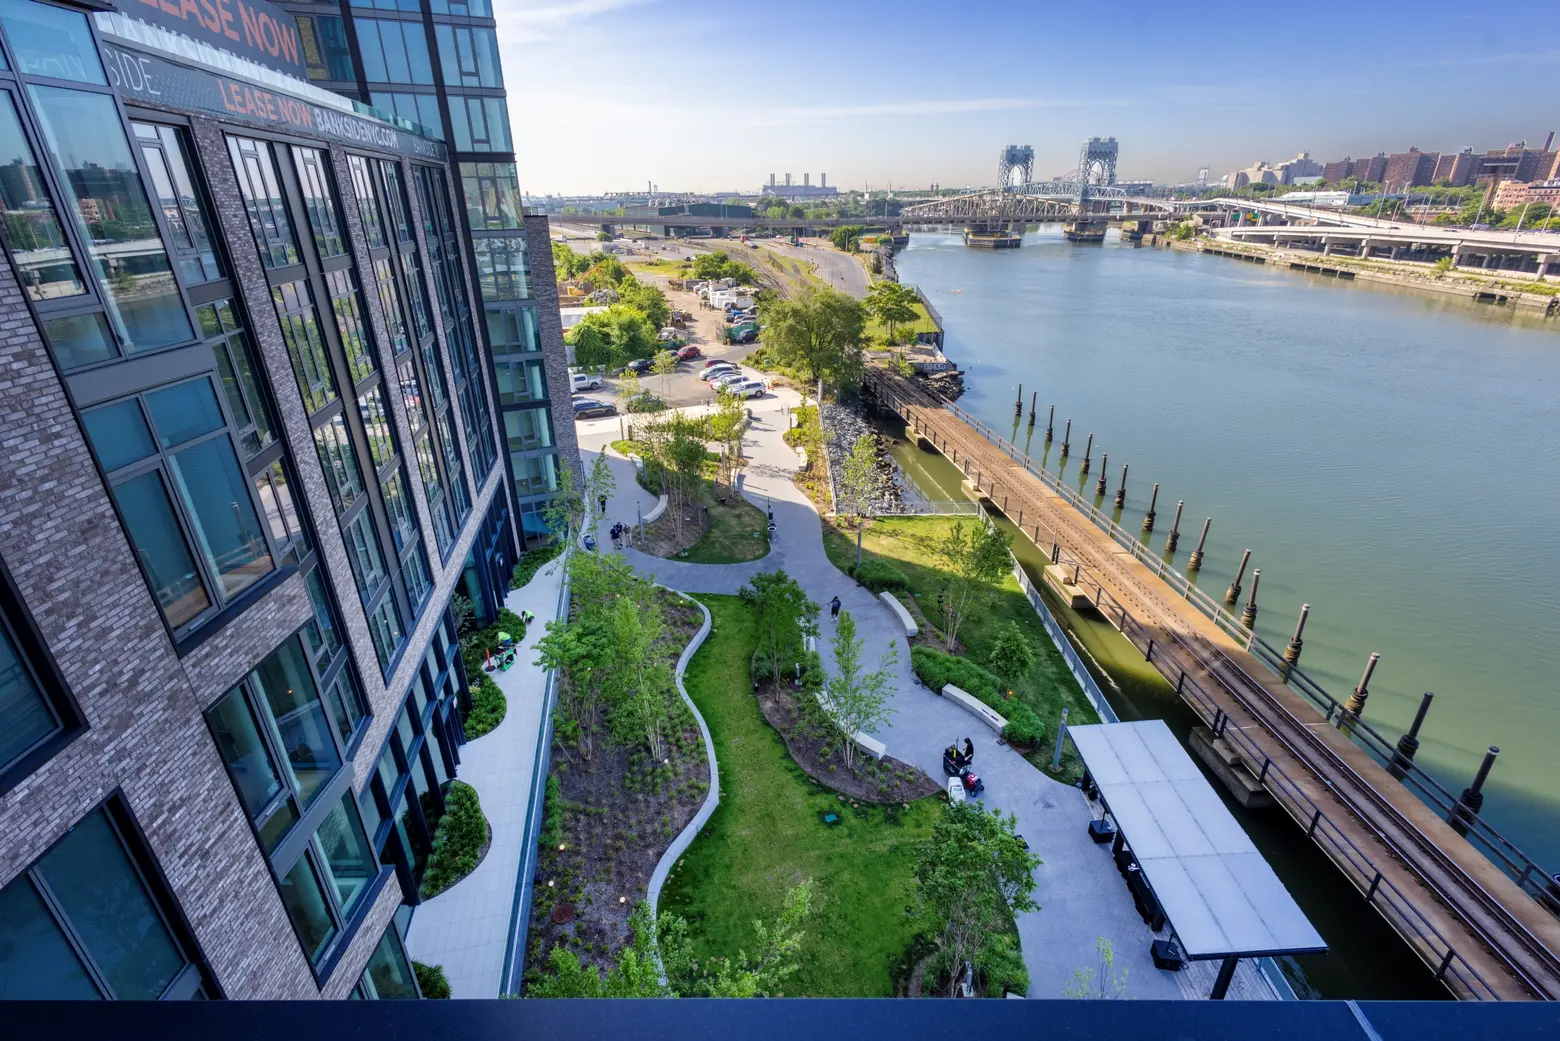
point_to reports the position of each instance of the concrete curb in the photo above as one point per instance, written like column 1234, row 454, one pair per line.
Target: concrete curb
column 686, row 836
column 660, row 508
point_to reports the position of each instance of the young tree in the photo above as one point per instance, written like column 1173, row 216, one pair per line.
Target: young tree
column 646, row 299
column 565, row 511
column 629, row 387
column 1011, row 655
column 663, row 365
column 819, row 331
column 684, row 457
column 726, row 427
column 599, row 484
column 972, row 558
column 972, row 876
column 857, row 475
column 785, row 618
column 857, row 700
column 634, row 976
column 893, row 304
column 1099, row 981
column 778, row 954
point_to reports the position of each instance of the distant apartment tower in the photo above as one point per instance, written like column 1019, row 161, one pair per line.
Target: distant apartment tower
column 1456, row 169
column 1516, row 163
column 1409, row 169
column 1371, row 170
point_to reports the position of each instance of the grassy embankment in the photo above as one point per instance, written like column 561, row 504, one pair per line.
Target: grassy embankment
column 768, row 834
column 738, row 531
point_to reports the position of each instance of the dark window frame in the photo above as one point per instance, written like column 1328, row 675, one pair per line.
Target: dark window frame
column 34, row 654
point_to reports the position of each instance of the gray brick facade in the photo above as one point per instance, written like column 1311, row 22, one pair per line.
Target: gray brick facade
column 544, row 285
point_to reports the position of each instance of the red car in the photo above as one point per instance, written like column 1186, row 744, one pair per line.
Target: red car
column 688, row 352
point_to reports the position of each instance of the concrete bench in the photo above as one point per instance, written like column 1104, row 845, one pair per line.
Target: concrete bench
column 639, row 464
column 897, row 609
column 976, row 707
column 869, row 744
column 660, row 508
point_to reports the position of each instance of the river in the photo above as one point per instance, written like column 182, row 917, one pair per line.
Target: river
column 1389, row 458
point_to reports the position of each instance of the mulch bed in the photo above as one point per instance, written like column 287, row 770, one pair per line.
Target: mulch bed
column 620, row 813
column 815, row 747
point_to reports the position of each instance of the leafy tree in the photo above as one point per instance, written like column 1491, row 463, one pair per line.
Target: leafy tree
column 592, row 345
column 565, row 511
column 646, row 299
column 599, row 483
column 603, row 236
column 605, row 271
column 1099, row 981
column 857, row 700
column 847, row 237
column 972, row 876
column 972, row 559
column 893, row 304
column 629, row 386
column 567, row 263
column 720, row 265
column 727, row 426
column 639, row 687
column 777, row 957
column 819, row 331
column 1011, row 655
column 685, row 464
column 663, row 365
column 858, row 473
column 612, row 337
column 785, row 617
column 634, row 976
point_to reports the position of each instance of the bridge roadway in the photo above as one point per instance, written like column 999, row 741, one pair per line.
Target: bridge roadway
column 782, row 224
column 1481, row 935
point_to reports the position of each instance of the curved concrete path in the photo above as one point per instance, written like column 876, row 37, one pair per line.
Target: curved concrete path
column 1082, row 896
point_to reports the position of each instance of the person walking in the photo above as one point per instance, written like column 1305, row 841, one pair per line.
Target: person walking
column 601, row 500
column 617, row 535
column 834, row 609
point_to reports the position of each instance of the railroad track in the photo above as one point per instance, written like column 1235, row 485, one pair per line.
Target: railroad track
column 1487, row 920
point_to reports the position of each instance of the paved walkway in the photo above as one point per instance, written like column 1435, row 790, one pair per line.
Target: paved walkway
column 1082, row 896
column 466, row 928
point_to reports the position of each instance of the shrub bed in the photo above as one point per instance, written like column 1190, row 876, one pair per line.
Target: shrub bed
column 431, row 980
column 488, row 706
column 460, row 842
column 1024, row 729
column 532, row 561
column 937, row 670
column 881, row 577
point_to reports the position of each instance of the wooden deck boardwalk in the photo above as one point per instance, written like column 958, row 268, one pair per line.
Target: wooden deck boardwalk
column 1481, row 934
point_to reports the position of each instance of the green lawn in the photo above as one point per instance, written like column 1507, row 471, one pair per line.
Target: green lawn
column 905, row 542
column 767, row 835
column 739, row 531
column 877, row 332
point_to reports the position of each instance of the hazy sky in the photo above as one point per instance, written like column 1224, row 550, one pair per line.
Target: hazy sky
column 605, row 95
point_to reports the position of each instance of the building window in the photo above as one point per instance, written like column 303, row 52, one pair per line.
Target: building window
column 33, row 704
column 513, row 331
column 492, row 195
column 257, row 182
column 349, row 324
column 387, row 5
column 422, row 109
column 86, row 921
column 417, row 294
column 326, row 55
column 275, row 491
column 318, row 201
column 479, row 124
column 479, row 434
column 398, row 506
column 33, row 230
column 168, row 159
column 472, row 8
column 321, row 633
column 384, row 626
column 113, row 213
column 368, row 566
column 519, row 381
column 503, row 269
column 51, row 41
column 305, row 344
column 236, row 367
column 395, row 199
column 418, row 585
column 368, row 204
column 390, row 304
column 528, row 429
column 339, row 462
column 411, row 395
column 187, row 508
column 346, row 706
column 388, row 975
column 535, row 475
column 394, row 52
column 376, row 424
column 469, row 56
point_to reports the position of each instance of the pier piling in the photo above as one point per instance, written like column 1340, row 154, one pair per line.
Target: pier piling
column 1099, row 486
column 1067, row 439
column 1049, row 420
column 1292, row 652
column 1175, row 527
column 1018, row 406
column 1195, row 562
column 1121, row 493
column 1356, row 702
column 1153, row 500
column 1088, row 446
column 1471, row 801
column 1032, row 397
column 1232, row 594
column 1248, row 617
column 1408, row 744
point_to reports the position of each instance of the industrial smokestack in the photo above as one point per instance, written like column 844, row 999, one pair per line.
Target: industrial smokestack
column 771, row 180
column 806, row 179
column 788, row 180
column 823, row 180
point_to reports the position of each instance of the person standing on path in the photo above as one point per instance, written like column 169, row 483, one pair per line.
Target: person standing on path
column 834, row 609
column 601, row 500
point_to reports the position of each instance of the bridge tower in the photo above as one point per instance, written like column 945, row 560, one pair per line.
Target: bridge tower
column 997, row 231
column 1015, row 157
column 1096, row 166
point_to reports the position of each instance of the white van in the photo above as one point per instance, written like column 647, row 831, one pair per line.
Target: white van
column 748, row 388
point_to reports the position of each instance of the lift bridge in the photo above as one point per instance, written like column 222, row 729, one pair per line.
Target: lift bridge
column 1083, row 201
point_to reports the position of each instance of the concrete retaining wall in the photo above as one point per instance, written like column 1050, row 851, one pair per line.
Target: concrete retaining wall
column 975, row 707
column 901, row 615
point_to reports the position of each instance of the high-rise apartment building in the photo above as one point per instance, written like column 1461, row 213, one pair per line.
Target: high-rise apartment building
column 1457, row 169
column 1409, row 169
column 260, row 347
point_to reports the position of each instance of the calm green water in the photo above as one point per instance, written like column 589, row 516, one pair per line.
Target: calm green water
column 1392, row 460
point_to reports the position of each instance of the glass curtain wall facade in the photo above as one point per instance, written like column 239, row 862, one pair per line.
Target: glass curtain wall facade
column 251, row 460
column 436, row 62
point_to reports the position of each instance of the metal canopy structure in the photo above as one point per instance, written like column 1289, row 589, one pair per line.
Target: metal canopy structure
column 1217, row 891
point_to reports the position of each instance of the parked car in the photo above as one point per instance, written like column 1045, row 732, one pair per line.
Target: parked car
column 689, row 352
column 589, row 408
column 638, row 365
column 747, row 388
column 727, row 379
column 580, row 381
column 713, row 362
column 719, row 372
column 747, row 335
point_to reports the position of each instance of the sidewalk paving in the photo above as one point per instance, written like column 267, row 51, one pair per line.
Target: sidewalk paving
column 467, row 927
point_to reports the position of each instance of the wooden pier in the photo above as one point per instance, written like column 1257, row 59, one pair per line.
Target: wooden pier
column 1480, row 933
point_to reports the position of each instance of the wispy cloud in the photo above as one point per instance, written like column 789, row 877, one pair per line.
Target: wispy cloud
column 520, row 24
